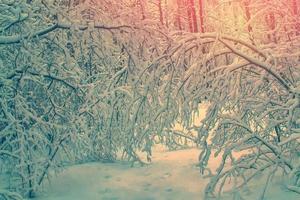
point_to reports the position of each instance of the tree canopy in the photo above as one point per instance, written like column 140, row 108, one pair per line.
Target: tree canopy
column 85, row 80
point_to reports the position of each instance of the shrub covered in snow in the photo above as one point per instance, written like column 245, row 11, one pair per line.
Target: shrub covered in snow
column 84, row 82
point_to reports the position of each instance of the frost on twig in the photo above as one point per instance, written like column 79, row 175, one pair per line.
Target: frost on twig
column 7, row 195
column 82, row 83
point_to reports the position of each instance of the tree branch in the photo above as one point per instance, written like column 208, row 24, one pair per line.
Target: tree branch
column 4, row 40
column 258, row 63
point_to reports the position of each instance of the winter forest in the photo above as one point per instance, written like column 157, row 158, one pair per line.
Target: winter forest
column 97, row 91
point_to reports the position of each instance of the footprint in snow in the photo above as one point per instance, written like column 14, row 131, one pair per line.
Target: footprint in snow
column 147, row 174
column 166, row 175
column 118, row 179
column 107, row 176
column 105, row 190
column 147, row 186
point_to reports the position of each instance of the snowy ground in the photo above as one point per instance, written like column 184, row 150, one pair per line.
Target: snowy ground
column 171, row 175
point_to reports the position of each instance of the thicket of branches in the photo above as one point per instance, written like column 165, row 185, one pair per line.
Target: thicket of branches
column 83, row 81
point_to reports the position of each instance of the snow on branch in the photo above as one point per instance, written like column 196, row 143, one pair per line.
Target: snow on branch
column 5, row 40
column 258, row 63
column 10, row 195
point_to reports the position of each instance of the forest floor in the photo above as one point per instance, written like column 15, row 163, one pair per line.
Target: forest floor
column 172, row 175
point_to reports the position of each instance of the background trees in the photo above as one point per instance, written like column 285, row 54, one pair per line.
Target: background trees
column 86, row 80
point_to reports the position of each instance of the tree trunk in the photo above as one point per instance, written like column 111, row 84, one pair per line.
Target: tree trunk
column 166, row 14
column 248, row 14
column 192, row 14
column 248, row 18
column 270, row 19
column 189, row 14
column 178, row 15
column 295, row 13
column 141, row 4
column 161, row 19
column 201, row 15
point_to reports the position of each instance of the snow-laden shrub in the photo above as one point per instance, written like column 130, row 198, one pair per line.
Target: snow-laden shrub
column 84, row 83
column 77, row 85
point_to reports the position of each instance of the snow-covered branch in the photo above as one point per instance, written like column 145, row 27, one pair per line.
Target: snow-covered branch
column 5, row 40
